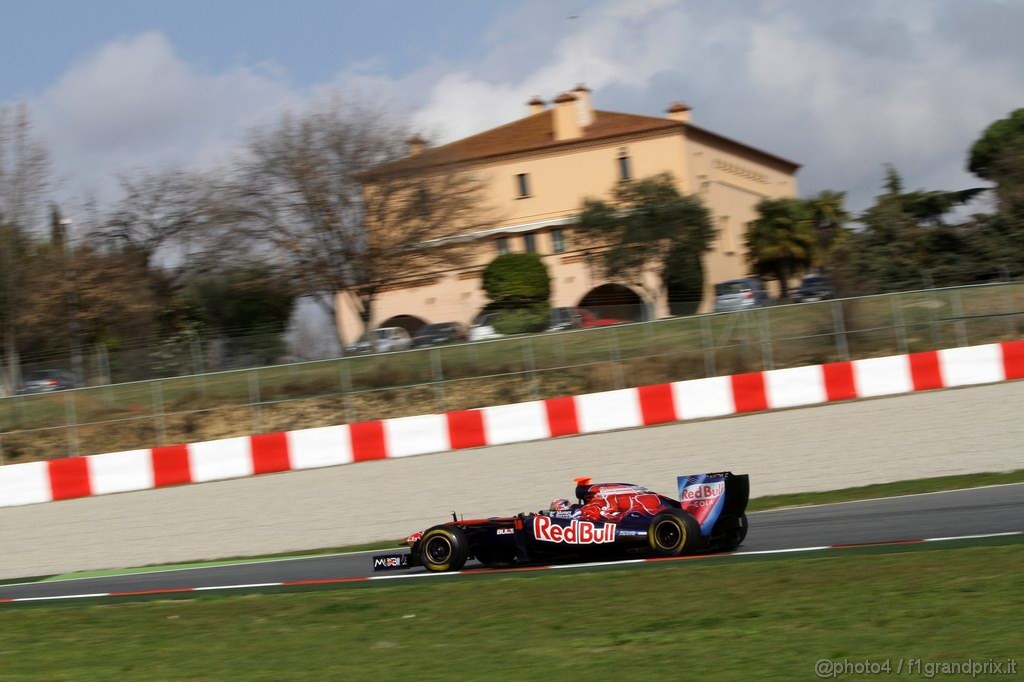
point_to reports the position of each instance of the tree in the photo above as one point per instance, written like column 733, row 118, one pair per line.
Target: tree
column 649, row 227
column 519, row 286
column 907, row 243
column 320, row 193
column 998, row 156
column 249, row 306
column 157, row 209
column 24, row 181
column 782, row 242
column 828, row 215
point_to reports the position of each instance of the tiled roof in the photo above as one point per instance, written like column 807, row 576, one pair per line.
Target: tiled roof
column 535, row 133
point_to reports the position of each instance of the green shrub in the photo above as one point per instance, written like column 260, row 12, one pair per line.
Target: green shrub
column 528, row 319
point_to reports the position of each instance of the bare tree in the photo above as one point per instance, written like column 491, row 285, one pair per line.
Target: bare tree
column 157, row 209
column 318, row 191
column 24, row 181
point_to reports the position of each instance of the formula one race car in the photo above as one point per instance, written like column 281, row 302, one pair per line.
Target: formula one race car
column 608, row 520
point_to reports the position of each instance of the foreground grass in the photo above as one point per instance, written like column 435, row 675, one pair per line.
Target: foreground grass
column 768, row 619
column 869, row 492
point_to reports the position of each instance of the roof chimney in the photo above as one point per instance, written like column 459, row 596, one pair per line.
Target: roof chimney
column 583, row 108
column 537, row 105
column 566, row 118
column 679, row 112
column 416, row 145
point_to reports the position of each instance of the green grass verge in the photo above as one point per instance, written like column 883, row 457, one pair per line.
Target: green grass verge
column 868, row 492
column 757, row 620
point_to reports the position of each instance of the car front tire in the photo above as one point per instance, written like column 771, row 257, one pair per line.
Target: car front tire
column 444, row 548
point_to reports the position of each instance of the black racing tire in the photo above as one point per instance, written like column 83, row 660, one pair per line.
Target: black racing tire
column 444, row 548
column 734, row 537
column 673, row 532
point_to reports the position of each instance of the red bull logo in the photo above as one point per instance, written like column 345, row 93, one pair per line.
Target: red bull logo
column 702, row 491
column 576, row 533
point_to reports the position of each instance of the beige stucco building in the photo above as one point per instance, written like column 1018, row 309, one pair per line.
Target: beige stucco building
column 537, row 171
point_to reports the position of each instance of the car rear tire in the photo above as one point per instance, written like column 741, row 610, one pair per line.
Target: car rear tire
column 673, row 532
column 444, row 548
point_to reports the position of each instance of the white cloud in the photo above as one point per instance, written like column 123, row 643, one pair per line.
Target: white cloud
column 839, row 87
column 135, row 103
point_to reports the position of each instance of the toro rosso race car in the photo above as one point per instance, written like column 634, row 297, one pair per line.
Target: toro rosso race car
column 608, row 520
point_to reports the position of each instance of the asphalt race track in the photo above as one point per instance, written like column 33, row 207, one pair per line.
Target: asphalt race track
column 995, row 509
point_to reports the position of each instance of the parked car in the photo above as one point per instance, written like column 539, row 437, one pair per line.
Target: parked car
column 383, row 340
column 47, row 381
column 565, row 318
column 589, row 320
column 483, row 328
column 813, row 288
column 439, row 332
column 740, row 294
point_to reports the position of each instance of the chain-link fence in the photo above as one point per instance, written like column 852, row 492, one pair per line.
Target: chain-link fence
column 503, row 370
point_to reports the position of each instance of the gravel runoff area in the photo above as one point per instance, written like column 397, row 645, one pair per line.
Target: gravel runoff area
column 919, row 435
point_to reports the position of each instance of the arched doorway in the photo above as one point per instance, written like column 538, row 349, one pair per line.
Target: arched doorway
column 409, row 323
column 615, row 301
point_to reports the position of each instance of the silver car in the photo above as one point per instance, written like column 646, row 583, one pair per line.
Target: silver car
column 740, row 294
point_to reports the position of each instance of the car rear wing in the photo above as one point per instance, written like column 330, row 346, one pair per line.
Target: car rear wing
column 714, row 497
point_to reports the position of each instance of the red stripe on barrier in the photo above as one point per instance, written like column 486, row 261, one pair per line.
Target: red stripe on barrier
column 748, row 392
column 170, row 465
column 839, row 381
column 925, row 370
column 69, row 478
column 562, row 420
column 270, row 453
column 657, row 404
column 466, row 429
column 368, row 441
column 1013, row 359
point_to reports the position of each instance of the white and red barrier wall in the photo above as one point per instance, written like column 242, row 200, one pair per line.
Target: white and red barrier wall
column 62, row 479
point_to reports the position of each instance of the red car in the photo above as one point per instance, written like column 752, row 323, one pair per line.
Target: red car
column 588, row 320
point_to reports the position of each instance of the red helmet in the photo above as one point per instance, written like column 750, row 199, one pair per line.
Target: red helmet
column 560, row 504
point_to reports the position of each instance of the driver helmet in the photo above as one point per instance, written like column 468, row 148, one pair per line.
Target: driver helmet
column 561, row 504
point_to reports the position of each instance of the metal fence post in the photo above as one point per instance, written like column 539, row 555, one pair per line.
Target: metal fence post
column 346, row 389
column 254, row 401
column 438, row 371
column 839, row 324
column 616, row 358
column 765, row 330
column 158, row 412
column 961, row 324
column 1, row 449
column 71, row 423
column 709, row 346
column 899, row 324
column 530, row 367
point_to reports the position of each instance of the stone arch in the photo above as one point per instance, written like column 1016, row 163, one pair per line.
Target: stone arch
column 409, row 323
column 615, row 301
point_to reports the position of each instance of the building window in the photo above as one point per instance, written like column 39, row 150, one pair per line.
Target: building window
column 530, row 243
column 502, row 243
column 557, row 241
column 625, row 171
column 523, row 184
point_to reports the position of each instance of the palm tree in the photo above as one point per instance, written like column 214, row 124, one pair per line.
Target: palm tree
column 827, row 214
column 781, row 243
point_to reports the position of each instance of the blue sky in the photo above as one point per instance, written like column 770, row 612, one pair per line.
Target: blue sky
column 841, row 87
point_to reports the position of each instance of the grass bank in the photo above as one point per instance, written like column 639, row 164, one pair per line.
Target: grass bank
column 763, row 620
